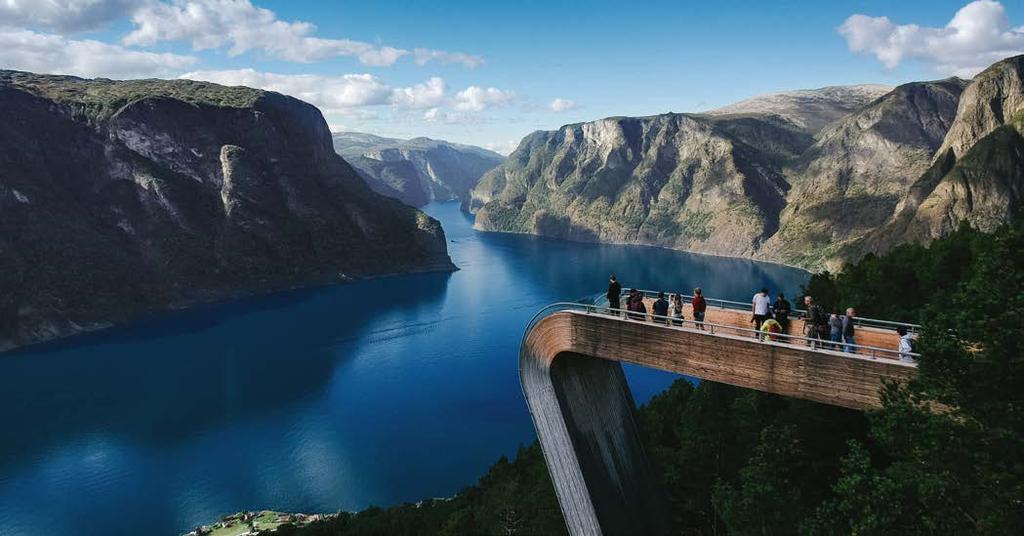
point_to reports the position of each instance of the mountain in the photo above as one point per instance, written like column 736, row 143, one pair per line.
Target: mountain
column 812, row 178
column 119, row 198
column 976, row 175
column 807, row 109
column 850, row 181
column 416, row 171
column 675, row 180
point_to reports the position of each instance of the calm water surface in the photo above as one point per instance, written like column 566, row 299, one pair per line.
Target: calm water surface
column 376, row 392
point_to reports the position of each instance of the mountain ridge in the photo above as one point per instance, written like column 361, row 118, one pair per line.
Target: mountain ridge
column 814, row 187
column 119, row 198
column 418, row 170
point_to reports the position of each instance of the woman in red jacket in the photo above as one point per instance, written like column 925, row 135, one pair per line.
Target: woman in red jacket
column 699, row 307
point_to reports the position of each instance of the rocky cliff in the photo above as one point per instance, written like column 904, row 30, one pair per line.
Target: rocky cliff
column 419, row 170
column 119, row 198
column 810, row 178
column 675, row 180
column 861, row 166
column 976, row 175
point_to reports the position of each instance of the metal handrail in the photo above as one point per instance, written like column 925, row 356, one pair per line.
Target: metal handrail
column 761, row 336
column 730, row 304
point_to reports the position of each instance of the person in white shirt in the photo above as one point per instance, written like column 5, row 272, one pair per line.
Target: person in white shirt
column 761, row 306
column 906, row 345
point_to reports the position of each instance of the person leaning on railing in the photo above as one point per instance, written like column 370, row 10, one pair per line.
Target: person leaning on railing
column 638, row 311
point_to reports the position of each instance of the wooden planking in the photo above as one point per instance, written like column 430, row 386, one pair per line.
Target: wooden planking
column 786, row 369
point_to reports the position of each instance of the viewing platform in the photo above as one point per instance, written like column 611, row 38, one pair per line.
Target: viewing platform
column 584, row 413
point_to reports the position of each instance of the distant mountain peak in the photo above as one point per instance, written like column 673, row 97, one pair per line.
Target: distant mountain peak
column 418, row 170
column 809, row 109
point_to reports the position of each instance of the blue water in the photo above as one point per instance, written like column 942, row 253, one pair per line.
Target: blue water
column 375, row 392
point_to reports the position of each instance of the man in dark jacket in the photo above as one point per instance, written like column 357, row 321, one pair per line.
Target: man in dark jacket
column 849, row 331
column 661, row 308
column 781, row 311
column 815, row 323
column 614, row 291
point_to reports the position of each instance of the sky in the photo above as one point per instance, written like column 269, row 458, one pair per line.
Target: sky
column 489, row 73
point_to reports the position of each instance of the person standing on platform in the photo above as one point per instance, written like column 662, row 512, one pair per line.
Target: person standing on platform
column 700, row 306
column 781, row 310
column 814, row 320
column 849, row 331
column 661, row 309
column 760, row 306
column 614, row 292
column 677, row 310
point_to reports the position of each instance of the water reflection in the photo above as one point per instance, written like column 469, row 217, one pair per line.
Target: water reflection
column 377, row 392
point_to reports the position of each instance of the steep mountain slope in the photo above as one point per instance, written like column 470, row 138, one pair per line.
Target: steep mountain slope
column 675, row 180
column 977, row 175
column 763, row 178
column 806, row 109
column 118, row 198
column 416, row 171
column 851, row 180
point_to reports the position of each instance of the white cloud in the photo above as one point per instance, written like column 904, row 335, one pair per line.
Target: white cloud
column 47, row 53
column 561, row 105
column 503, row 148
column 978, row 35
column 424, row 56
column 240, row 26
column 477, row 99
column 64, row 15
column 338, row 95
column 437, row 115
column 330, row 93
column 426, row 95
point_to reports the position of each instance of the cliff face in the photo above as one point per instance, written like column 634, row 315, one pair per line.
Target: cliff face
column 681, row 181
column 416, row 171
column 861, row 166
column 809, row 178
column 977, row 175
column 118, row 198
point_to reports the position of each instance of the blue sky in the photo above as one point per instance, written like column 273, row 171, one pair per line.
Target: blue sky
column 507, row 62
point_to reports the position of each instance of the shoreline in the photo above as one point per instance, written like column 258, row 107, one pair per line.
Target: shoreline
column 82, row 329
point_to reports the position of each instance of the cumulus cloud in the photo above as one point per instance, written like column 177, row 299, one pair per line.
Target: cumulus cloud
column 561, row 105
column 64, row 16
column 47, row 53
column 424, row 56
column 426, row 95
column 240, row 26
column 478, row 99
column 338, row 95
column 978, row 35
